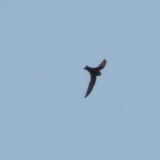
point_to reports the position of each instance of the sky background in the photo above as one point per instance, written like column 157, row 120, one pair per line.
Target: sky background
column 44, row 46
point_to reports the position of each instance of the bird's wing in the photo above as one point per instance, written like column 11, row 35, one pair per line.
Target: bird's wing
column 102, row 64
column 91, row 84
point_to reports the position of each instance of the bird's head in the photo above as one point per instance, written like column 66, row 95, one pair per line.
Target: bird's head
column 86, row 67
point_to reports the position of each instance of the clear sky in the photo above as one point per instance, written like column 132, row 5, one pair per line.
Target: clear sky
column 44, row 46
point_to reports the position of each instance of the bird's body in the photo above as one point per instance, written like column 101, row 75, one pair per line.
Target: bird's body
column 94, row 72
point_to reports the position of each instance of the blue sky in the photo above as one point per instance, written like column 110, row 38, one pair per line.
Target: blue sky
column 44, row 46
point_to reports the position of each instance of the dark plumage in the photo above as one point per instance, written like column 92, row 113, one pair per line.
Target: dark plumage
column 94, row 72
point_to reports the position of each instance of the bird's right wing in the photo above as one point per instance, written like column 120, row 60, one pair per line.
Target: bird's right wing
column 91, row 85
column 102, row 64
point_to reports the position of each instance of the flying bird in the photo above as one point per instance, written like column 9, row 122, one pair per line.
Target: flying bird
column 94, row 72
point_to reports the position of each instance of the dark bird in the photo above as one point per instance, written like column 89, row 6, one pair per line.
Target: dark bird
column 94, row 72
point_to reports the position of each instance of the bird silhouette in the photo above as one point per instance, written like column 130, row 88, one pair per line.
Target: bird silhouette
column 94, row 72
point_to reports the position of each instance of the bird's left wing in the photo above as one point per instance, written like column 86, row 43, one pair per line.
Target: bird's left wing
column 91, row 85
